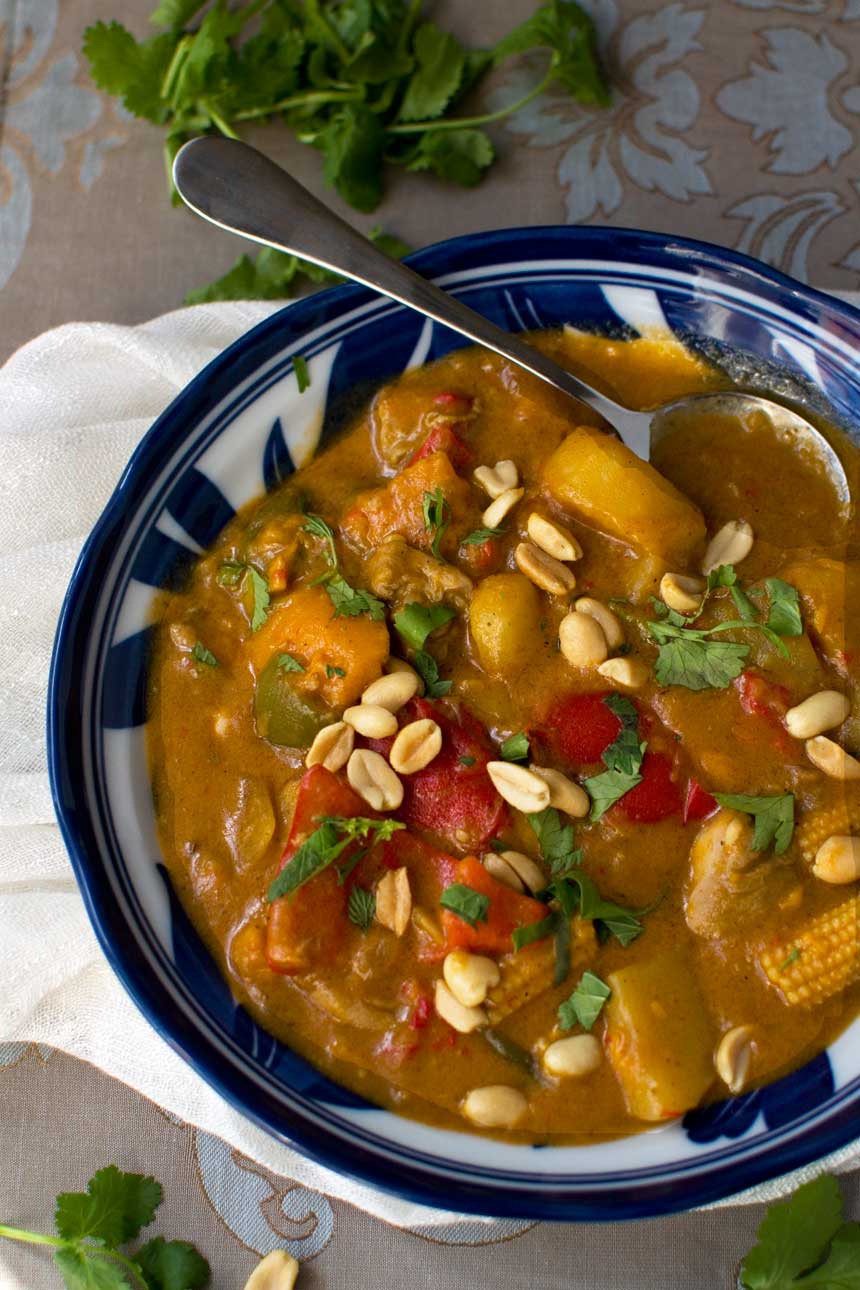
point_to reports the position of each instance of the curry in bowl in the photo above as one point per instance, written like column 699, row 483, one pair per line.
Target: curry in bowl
column 508, row 777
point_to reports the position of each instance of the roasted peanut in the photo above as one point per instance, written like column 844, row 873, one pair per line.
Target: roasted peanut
column 519, row 787
column 394, row 900
column 371, row 720
column 498, row 509
column 374, row 780
column 496, row 1106
column 733, row 1056
column 497, row 479
column 393, row 690
column 612, row 629
column 469, row 977
column 331, row 747
column 837, row 860
column 395, row 665
column 574, row 1056
column 731, row 544
column 681, row 593
column 629, row 673
column 582, row 640
column 462, row 1019
column 564, row 794
column 822, row 711
column 831, row 758
column 501, row 871
column 527, row 870
column 415, row 746
column 545, row 571
column 553, row 538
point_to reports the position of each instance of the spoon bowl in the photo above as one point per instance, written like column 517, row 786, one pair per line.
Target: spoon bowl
column 239, row 189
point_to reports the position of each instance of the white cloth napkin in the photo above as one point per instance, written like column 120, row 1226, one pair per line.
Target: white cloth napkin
column 75, row 402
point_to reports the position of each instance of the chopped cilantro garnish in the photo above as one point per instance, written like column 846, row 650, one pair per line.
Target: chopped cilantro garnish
column 318, row 527
column 522, row 936
column 361, row 907
column 428, row 669
column 784, row 616
column 774, row 818
column 324, row 845
column 466, row 760
column 437, row 517
column 349, row 601
column 203, row 655
column 303, row 376
column 555, row 840
column 479, row 536
column 585, row 1004
column 287, row 663
column 415, row 622
column 470, row 905
column 622, row 759
column 515, row 747
column 333, row 671
column 260, row 588
column 792, row 957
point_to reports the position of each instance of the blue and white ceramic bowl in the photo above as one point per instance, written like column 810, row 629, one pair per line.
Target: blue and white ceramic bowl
column 238, row 429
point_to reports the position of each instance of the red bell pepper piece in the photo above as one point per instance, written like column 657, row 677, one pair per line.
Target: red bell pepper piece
column 445, row 439
column 698, row 803
column 507, row 910
column 657, row 796
column 578, row 728
column 308, row 926
column 454, row 794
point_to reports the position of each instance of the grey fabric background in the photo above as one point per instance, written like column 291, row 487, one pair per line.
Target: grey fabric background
column 736, row 121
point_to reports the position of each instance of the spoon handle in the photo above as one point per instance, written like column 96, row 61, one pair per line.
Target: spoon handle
column 239, row 189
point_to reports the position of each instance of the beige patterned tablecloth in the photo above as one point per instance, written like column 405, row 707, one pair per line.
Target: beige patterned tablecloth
column 736, row 121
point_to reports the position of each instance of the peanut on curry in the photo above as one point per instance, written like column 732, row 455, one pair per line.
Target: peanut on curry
column 511, row 779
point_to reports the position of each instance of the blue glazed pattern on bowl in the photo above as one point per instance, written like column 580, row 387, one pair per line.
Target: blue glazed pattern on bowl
column 240, row 427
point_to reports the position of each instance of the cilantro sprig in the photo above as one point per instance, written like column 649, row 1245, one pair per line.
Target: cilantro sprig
column 348, row 601
column 436, row 514
column 774, row 818
column 585, row 1004
column 622, row 759
column 324, row 845
column 369, row 85
column 234, row 574
column 414, row 624
column 95, row 1227
column 689, row 656
column 361, row 907
column 804, row 1244
column 470, row 905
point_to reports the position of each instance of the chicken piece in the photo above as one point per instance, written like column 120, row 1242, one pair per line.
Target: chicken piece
column 399, row 573
column 722, row 881
column 398, row 508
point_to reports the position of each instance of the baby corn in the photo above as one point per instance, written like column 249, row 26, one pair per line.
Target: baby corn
column 819, row 960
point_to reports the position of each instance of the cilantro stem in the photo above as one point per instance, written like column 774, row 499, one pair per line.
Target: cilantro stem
column 222, row 125
column 34, row 1238
column 174, row 67
column 464, row 122
column 300, row 100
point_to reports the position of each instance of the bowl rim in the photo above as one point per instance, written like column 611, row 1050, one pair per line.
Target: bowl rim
column 403, row 1179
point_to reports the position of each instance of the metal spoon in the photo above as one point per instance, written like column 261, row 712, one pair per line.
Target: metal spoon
column 234, row 186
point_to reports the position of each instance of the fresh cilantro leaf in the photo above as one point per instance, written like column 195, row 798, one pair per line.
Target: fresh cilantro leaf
column 303, row 376
column 333, row 671
column 470, row 905
column 171, row 1265
column 479, row 536
column 132, row 71
column 607, row 916
column 793, row 1237
column 323, row 846
column 774, row 818
column 522, row 936
column 316, row 525
column 273, row 275
column 555, row 840
column 841, row 1268
column 437, row 517
column 361, row 907
column 287, row 663
column 203, row 655
column 792, row 957
column 466, row 760
column 230, row 574
column 113, row 1209
column 349, row 601
column 428, row 669
column 260, row 591
column 607, row 788
column 784, row 617
column 622, row 759
column 390, row 243
column 745, row 607
column 515, row 747
column 699, row 664
column 416, row 622
column 585, row 1004
column 440, row 60
column 82, row 1271
column 353, row 142
column 459, row 155
column 723, row 576
column 567, row 31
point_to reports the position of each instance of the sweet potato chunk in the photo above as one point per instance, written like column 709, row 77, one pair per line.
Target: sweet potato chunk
column 303, row 625
column 658, row 1037
column 599, row 479
column 399, row 506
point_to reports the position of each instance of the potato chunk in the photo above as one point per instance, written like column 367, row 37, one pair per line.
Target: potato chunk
column 599, row 479
column 658, row 1036
column 504, row 618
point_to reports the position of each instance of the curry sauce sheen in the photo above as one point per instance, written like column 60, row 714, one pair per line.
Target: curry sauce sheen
column 691, row 948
